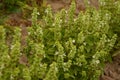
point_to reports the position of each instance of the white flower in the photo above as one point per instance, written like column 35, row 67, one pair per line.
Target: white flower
column 28, row 33
column 12, row 47
column 88, row 2
column 108, row 40
column 56, row 69
column 8, row 56
column 38, row 13
column 66, row 12
column 60, row 20
column 80, row 64
column 44, row 56
column 11, row 77
column 20, row 53
column 40, row 65
column 74, row 20
column 97, row 61
column 53, row 24
column 94, row 56
column 73, row 41
column 84, row 43
column 57, row 53
column 59, row 25
column 2, row 66
column 66, row 43
column 106, row 14
column 40, row 32
column 46, row 11
column 64, row 64
column 103, row 3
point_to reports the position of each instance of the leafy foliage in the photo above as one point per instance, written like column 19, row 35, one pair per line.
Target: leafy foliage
column 114, row 9
column 63, row 47
column 8, row 4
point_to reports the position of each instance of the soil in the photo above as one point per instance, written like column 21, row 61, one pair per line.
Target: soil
column 111, row 70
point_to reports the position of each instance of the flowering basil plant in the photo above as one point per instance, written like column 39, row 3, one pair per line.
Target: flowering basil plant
column 62, row 47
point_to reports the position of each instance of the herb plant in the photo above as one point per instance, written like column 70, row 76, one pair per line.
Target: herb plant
column 62, row 47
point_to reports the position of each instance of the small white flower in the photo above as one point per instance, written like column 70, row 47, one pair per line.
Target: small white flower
column 103, row 3
column 45, row 19
column 80, row 64
column 11, row 77
column 40, row 65
column 66, row 43
column 20, row 53
column 73, row 41
column 108, row 40
column 100, row 26
column 64, row 54
column 38, row 13
column 97, row 61
column 40, row 31
column 88, row 2
column 64, row 64
column 53, row 24
column 42, row 46
column 8, row 56
column 84, row 43
column 56, row 69
column 12, row 47
column 115, row 2
column 54, row 45
column 74, row 20
column 71, row 51
column 2, row 66
column 106, row 14
column 66, row 12
column 35, row 33
column 57, row 53
column 60, row 20
column 59, row 25
column 46, row 11
column 44, row 56
column 28, row 33
column 94, row 56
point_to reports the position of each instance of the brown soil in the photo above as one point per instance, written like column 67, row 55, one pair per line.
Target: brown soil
column 80, row 6
column 111, row 70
